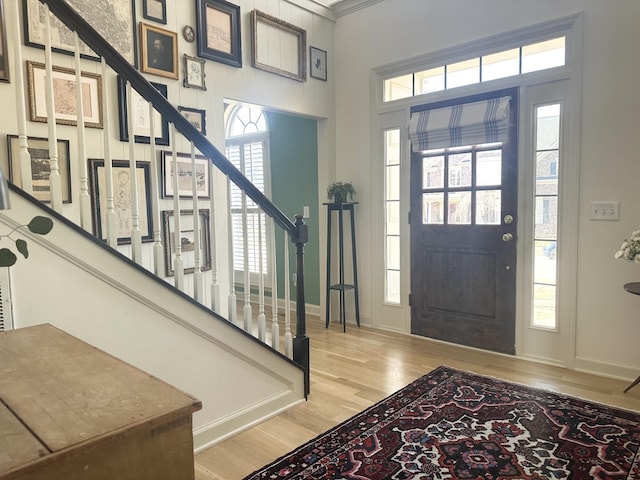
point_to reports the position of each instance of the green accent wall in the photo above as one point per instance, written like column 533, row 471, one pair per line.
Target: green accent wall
column 293, row 150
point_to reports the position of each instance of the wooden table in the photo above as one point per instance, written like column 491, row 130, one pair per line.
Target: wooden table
column 634, row 288
column 71, row 411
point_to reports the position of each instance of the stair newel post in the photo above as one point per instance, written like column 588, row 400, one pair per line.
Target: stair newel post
column 198, row 286
column 301, row 341
column 136, row 234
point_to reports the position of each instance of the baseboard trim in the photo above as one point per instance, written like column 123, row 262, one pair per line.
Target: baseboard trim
column 606, row 369
column 211, row 433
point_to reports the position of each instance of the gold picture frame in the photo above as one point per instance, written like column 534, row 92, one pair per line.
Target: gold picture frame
column 159, row 51
column 291, row 60
column 64, row 93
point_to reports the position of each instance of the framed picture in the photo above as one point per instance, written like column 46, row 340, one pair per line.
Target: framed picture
column 159, row 49
column 155, row 10
column 140, row 116
column 185, row 175
column 4, row 58
column 115, row 20
column 218, row 26
column 291, row 60
column 121, row 199
column 64, row 92
column 187, row 240
column 196, row 117
column 193, row 72
column 318, row 63
column 38, row 149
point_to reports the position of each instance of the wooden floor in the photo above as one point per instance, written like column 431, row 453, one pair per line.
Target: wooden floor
column 351, row 371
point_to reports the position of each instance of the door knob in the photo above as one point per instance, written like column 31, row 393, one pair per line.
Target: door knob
column 507, row 237
column 508, row 219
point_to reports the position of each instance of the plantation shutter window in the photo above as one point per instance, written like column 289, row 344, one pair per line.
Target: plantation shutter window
column 472, row 123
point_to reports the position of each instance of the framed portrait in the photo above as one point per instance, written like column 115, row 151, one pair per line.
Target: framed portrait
column 185, row 175
column 196, row 117
column 187, row 240
column 64, row 93
column 155, row 10
column 38, row 149
column 193, row 73
column 121, row 199
column 218, row 27
column 140, row 116
column 318, row 63
column 4, row 58
column 115, row 20
column 159, row 50
column 292, row 59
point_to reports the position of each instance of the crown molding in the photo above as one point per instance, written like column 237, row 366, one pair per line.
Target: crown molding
column 345, row 7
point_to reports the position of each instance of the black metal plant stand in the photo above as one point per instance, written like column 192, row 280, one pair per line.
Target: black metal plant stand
column 341, row 286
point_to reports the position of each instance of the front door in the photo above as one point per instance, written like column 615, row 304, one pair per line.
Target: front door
column 463, row 241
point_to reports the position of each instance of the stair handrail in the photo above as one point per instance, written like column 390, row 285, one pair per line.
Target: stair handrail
column 298, row 231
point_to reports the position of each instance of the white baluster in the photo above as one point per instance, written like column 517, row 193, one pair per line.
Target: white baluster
column 110, row 215
column 248, row 313
column 178, row 262
column 288, row 337
column 85, row 199
column 215, row 287
column 158, row 251
column 275, row 326
column 262, row 320
column 233, row 303
column 136, row 234
column 198, row 288
column 23, row 152
column 55, row 183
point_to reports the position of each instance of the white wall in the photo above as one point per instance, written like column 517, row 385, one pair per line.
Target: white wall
column 608, row 323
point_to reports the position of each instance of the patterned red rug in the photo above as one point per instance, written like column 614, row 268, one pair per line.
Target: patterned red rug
column 452, row 424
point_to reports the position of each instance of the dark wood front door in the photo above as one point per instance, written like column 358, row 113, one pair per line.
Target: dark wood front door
column 463, row 243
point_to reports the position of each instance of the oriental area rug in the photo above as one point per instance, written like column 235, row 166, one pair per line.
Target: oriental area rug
column 452, row 424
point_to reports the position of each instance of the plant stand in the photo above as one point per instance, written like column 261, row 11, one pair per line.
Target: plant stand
column 341, row 286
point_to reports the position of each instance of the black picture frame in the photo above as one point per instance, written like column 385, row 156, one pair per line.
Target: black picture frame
column 218, row 31
column 4, row 57
column 155, row 10
column 196, row 117
column 97, row 173
column 121, row 34
column 38, row 148
column 185, row 176
column 318, row 63
column 159, row 51
column 141, row 128
column 186, row 228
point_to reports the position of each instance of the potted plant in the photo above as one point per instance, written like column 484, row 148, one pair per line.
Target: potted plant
column 341, row 192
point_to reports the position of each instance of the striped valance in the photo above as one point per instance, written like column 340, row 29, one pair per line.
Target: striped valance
column 463, row 124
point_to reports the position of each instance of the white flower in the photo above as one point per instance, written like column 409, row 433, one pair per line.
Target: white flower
column 630, row 248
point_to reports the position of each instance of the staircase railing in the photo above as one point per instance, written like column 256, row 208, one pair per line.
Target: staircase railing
column 297, row 232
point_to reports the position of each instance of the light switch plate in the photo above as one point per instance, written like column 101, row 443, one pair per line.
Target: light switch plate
column 604, row 211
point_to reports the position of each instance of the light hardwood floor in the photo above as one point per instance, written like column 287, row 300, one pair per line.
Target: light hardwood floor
column 351, row 371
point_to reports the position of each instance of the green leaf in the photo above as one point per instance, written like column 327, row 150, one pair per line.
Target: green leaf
column 21, row 245
column 7, row 257
column 40, row 225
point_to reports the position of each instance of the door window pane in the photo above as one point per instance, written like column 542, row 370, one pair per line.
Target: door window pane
column 393, row 253
column 547, row 173
column 460, row 170
column 546, row 217
column 488, row 207
column 398, row 87
column 393, row 182
column 543, row 55
column 432, row 208
column 459, row 208
column 429, row 81
column 463, row 73
column 393, row 218
column 544, row 306
column 489, row 168
column 392, row 287
column 548, row 127
column 433, row 172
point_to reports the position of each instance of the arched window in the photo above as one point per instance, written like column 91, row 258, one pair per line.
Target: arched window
column 247, row 149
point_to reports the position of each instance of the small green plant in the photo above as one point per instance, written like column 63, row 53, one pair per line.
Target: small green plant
column 39, row 225
column 340, row 192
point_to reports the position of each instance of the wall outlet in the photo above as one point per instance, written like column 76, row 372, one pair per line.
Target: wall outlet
column 604, row 211
column 305, row 211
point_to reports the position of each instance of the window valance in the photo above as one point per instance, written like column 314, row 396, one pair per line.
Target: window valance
column 473, row 123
